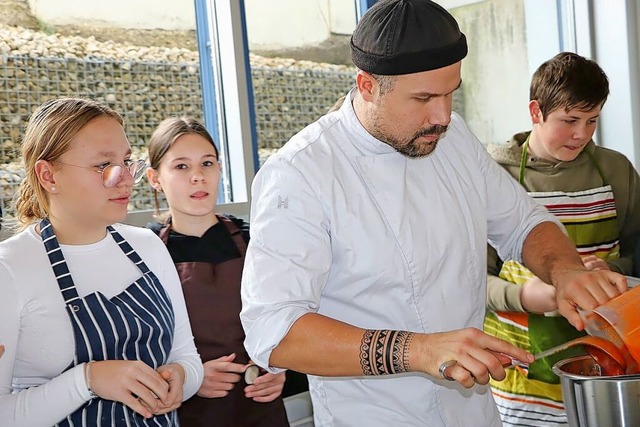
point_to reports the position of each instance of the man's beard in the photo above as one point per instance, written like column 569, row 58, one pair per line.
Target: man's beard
column 410, row 147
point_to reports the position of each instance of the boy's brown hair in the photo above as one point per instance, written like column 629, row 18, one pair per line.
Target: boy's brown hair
column 569, row 81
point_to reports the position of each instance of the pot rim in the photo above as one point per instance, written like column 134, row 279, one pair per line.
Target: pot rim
column 562, row 374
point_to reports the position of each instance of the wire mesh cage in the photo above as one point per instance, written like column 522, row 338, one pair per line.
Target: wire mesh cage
column 144, row 93
column 286, row 99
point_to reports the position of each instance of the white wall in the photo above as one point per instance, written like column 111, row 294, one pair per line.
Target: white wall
column 280, row 24
column 272, row 24
column 143, row 14
column 343, row 16
column 615, row 43
column 495, row 73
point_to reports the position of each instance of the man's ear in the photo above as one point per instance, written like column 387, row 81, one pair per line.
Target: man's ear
column 152, row 176
column 535, row 113
column 46, row 177
column 367, row 85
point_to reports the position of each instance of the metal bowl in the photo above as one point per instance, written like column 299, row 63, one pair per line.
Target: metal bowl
column 593, row 400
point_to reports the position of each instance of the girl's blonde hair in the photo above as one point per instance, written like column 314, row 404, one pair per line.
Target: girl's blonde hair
column 165, row 135
column 48, row 135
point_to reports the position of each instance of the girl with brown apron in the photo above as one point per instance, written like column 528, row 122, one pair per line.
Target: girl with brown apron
column 209, row 251
column 210, row 273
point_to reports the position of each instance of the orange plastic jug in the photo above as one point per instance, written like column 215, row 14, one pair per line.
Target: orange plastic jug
column 618, row 320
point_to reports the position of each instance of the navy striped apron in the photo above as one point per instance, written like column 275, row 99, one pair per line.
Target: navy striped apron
column 137, row 324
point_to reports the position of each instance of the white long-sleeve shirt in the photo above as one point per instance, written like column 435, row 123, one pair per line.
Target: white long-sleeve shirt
column 37, row 333
column 345, row 226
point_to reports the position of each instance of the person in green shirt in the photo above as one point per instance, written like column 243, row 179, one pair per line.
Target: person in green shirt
column 595, row 193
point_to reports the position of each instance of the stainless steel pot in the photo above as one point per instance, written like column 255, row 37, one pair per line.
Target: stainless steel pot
column 594, row 401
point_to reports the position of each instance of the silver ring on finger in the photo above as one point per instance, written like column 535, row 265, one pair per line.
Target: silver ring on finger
column 443, row 369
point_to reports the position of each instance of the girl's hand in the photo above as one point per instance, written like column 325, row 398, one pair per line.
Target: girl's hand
column 174, row 375
column 266, row 387
column 131, row 382
column 220, row 376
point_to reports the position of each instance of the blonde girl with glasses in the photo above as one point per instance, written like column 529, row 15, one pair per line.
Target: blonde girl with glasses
column 208, row 250
column 92, row 314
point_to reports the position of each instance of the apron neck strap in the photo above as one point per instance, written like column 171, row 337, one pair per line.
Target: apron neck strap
column 128, row 250
column 58, row 263
column 235, row 233
column 164, row 231
column 523, row 164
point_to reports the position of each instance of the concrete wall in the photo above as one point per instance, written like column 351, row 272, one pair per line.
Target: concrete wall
column 142, row 14
column 343, row 16
column 495, row 74
column 298, row 23
column 285, row 24
column 273, row 24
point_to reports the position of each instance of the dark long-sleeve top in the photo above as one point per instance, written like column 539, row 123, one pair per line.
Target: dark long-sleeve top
column 215, row 245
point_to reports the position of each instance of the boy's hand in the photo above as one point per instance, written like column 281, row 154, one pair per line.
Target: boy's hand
column 537, row 296
column 592, row 262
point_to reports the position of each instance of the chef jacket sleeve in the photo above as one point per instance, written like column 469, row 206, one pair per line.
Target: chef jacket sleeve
column 288, row 258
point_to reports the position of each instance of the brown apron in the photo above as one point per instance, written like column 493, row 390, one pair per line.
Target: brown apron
column 212, row 295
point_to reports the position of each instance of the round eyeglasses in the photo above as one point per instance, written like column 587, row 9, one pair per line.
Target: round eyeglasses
column 112, row 173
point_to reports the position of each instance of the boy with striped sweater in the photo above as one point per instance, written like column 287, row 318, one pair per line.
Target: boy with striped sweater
column 594, row 191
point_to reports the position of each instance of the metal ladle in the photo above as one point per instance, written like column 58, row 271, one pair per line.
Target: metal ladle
column 605, row 353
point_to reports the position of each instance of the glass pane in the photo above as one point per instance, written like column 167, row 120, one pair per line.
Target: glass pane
column 144, row 65
column 300, row 69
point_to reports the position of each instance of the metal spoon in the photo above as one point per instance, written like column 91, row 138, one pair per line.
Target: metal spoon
column 606, row 354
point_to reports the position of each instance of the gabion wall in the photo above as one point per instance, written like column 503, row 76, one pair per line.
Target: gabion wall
column 287, row 100
column 145, row 93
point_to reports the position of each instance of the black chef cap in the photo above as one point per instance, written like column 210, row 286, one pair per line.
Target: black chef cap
column 406, row 36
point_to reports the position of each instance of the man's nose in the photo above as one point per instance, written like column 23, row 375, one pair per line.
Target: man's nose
column 440, row 111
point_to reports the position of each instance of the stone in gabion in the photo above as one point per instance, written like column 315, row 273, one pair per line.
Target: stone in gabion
column 147, row 85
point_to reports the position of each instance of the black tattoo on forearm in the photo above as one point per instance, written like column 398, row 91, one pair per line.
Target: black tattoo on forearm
column 385, row 352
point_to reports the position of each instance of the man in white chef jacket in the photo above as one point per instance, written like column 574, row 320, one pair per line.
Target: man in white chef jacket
column 366, row 267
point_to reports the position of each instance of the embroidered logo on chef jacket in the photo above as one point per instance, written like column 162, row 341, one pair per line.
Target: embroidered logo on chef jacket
column 283, row 202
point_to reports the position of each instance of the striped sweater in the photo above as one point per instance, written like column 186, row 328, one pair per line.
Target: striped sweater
column 578, row 175
column 574, row 192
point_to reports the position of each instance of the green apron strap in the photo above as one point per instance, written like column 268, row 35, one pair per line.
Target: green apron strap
column 523, row 163
column 595, row 163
